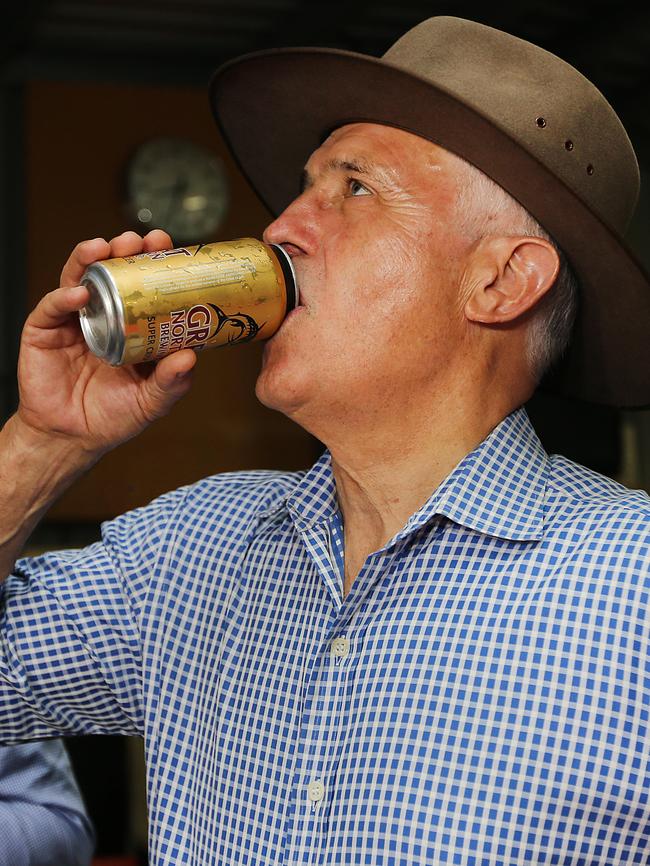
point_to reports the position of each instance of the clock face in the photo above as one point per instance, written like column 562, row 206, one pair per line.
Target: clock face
column 177, row 186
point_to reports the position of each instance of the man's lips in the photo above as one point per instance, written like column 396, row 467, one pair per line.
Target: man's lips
column 291, row 250
column 302, row 301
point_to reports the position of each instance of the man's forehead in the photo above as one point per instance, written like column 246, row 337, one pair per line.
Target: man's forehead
column 375, row 141
column 379, row 134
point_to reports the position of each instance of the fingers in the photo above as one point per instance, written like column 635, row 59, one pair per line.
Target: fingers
column 131, row 243
column 57, row 306
column 53, row 309
column 174, row 368
column 170, row 380
column 127, row 244
column 157, row 239
column 84, row 254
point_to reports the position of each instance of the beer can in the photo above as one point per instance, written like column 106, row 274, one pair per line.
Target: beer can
column 145, row 306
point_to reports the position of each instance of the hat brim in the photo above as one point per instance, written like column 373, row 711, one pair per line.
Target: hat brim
column 274, row 108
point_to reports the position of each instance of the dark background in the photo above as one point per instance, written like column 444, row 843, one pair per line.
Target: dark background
column 180, row 42
column 65, row 66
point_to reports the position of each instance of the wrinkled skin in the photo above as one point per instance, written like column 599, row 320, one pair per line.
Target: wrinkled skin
column 379, row 264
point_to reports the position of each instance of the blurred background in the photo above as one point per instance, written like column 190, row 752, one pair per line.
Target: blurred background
column 92, row 90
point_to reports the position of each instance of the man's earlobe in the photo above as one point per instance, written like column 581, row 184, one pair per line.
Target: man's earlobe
column 512, row 275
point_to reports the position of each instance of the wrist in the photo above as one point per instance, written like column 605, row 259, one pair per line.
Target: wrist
column 41, row 463
column 21, row 437
column 35, row 468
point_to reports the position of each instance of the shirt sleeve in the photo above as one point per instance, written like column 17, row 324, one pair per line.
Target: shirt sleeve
column 43, row 821
column 71, row 630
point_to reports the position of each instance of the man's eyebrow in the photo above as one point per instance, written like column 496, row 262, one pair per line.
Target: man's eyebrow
column 358, row 165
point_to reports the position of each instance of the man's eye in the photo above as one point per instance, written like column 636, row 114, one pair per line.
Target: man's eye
column 356, row 188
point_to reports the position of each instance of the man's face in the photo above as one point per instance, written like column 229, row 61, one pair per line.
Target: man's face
column 378, row 264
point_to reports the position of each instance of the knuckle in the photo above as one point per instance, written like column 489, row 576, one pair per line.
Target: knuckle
column 83, row 254
column 127, row 236
column 84, row 246
column 157, row 238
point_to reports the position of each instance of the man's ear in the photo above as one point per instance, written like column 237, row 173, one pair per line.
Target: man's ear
column 508, row 277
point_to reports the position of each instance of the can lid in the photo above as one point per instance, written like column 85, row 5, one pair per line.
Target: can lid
column 99, row 319
column 291, row 284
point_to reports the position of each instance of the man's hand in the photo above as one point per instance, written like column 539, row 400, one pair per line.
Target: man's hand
column 74, row 407
column 65, row 391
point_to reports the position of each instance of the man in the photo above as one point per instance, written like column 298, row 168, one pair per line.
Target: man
column 43, row 821
column 430, row 647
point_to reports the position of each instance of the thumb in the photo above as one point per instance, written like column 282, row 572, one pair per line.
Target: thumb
column 170, row 380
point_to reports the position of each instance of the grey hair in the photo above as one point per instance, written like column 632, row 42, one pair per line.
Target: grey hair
column 484, row 208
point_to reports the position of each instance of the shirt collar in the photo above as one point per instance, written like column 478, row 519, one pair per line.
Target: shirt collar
column 314, row 498
column 497, row 489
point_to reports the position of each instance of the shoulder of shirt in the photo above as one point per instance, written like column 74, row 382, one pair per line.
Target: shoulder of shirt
column 265, row 487
column 216, row 500
column 588, row 493
column 258, row 491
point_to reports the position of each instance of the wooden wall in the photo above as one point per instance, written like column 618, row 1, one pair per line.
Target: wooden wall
column 80, row 137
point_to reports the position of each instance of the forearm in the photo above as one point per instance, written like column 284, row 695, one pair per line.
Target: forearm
column 35, row 469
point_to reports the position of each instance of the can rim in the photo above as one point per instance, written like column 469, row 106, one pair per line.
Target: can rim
column 98, row 279
column 291, row 283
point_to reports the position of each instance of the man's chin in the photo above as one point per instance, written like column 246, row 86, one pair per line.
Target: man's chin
column 277, row 392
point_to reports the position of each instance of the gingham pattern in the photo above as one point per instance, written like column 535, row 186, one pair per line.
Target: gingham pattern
column 492, row 709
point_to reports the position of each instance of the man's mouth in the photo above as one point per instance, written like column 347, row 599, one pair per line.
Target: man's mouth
column 291, row 250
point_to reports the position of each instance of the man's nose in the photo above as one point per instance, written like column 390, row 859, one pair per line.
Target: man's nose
column 298, row 224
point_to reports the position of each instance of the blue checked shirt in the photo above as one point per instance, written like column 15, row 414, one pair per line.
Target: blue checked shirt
column 479, row 698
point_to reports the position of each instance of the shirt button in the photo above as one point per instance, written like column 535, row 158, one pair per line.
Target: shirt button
column 340, row 647
column 316, row 790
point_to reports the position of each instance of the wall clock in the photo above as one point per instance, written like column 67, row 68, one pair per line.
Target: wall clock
column 177, row 186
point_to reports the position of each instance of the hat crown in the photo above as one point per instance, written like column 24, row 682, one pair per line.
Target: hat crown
column 538, row 100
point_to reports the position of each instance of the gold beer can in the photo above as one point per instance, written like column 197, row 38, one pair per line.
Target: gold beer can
column 149, row 305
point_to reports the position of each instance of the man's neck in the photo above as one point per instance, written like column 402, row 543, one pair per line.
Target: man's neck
column 385, row 476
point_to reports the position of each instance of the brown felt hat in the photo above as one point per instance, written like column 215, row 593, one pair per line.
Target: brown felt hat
column 526, row 118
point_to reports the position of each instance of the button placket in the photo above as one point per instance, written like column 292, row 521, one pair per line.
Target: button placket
column 323, row 699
